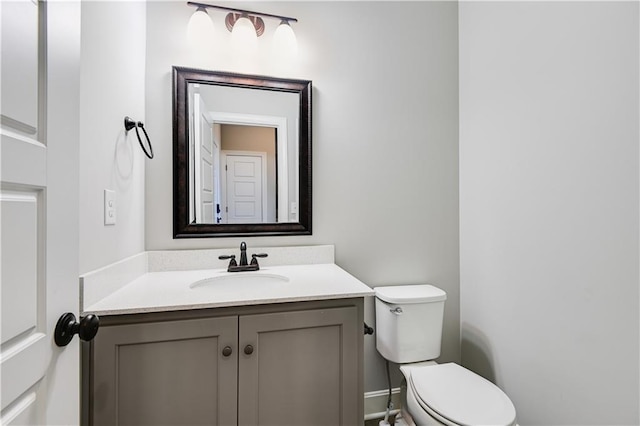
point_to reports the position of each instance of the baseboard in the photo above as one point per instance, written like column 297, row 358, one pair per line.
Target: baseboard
column 375, row 403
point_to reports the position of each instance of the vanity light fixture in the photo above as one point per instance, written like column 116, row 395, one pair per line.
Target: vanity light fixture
column 239, row 20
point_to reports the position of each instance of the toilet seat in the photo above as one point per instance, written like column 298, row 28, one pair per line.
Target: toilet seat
column 456, row 396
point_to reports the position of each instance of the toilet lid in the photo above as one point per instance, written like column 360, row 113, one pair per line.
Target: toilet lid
column 422, row 293
column 461, row 396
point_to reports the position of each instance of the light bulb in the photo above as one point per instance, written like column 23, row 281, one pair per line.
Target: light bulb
column 200, row 28
column 244, row 35
column 284, row 40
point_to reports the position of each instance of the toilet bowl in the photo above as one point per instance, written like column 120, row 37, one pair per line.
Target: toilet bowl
column 409, row 332
column 448, row 394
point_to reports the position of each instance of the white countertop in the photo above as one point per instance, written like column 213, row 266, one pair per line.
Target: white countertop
column 171, row 291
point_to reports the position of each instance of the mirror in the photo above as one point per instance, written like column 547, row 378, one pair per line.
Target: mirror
column 241, row 155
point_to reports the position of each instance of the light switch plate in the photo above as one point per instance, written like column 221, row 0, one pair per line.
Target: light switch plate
column 109, row 207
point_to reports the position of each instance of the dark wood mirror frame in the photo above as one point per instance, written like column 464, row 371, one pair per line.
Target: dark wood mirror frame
column 182, row 227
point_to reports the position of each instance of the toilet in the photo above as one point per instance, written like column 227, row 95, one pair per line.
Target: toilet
column 409, row 322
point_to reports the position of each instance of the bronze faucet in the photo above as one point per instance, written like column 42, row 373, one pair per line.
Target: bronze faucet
column 244, row 265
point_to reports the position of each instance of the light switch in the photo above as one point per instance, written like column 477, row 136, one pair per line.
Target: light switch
column 109, row 207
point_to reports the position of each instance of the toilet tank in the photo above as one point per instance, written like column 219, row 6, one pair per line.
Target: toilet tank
column 409, row 322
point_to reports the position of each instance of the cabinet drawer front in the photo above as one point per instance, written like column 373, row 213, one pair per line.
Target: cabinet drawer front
column 166, row 373
column 302, row 370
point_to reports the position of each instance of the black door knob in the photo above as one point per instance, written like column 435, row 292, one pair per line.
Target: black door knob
column 67, row 327
column 248, row 349
column 227, row 351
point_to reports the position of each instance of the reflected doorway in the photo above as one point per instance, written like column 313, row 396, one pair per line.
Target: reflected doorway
column 236, row 173
column 249, row 173
column 254, row 188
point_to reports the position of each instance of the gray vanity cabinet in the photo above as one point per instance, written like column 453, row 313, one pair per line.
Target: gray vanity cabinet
column 257, row 367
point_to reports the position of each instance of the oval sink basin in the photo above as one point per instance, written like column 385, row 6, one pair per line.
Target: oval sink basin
column 241, row 279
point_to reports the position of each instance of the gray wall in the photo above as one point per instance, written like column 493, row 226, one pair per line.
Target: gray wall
column 549, row 206
column 111, row 87
column 385, row 131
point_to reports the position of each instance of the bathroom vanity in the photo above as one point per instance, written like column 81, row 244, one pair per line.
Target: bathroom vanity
column 283, row 345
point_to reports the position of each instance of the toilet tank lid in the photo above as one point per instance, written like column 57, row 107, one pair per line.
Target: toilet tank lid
column 423, row 293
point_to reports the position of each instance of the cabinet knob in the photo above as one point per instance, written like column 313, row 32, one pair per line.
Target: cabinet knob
column 227, row 351
column 248, row 349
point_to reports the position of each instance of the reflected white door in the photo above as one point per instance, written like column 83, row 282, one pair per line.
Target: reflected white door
column 39, row 210
column 245, row 188
column 217, row 192
column 204, row 170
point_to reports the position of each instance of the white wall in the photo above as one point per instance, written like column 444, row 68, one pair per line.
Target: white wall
column 111, row 87
column 385, row 130
column 549, row 206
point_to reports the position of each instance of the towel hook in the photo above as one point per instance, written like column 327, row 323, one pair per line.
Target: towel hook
column 131, row 124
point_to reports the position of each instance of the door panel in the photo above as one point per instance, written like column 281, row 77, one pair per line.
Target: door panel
column 19, row 263
column 20, row 58
column 303, row 369
column 170, row 373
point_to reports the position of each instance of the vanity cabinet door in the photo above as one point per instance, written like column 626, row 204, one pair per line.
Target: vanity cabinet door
column 299, row 368
column 166, row 373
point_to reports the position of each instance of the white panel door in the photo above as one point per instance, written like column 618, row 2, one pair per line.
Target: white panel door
column 39, row 210
column 245, row 186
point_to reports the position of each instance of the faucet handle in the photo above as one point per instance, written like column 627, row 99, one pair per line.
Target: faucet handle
column 254, row 261
column 232, row 262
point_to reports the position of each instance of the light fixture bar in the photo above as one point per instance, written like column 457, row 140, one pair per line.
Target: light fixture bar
column 249, row 12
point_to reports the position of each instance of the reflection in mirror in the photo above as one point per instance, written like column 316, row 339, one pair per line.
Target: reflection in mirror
column 240, row 137
column 236, row 182
column 241, row 155
column 249, row 172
